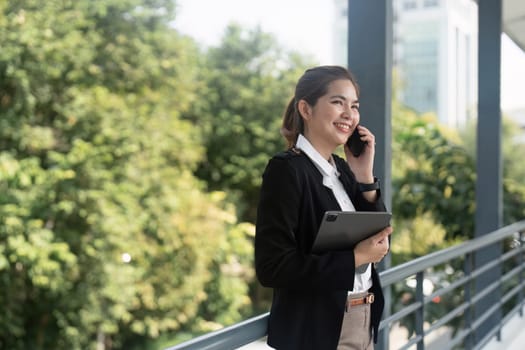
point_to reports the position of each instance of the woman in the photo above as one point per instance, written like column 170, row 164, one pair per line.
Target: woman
column 320, row 301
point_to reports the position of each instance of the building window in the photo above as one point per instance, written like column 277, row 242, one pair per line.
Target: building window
column 409, row 4
column 431, row 3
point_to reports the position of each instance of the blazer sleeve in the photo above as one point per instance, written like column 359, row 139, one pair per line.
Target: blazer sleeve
column 280, row 260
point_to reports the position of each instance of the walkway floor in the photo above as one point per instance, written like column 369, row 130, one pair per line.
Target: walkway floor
column 512, row 336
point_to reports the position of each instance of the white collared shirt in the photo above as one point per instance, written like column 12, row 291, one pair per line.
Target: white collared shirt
column 362, row 281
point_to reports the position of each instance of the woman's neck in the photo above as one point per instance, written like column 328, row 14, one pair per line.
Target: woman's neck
column 324, row 150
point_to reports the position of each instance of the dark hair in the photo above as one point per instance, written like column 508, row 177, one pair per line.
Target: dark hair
column 310, row 87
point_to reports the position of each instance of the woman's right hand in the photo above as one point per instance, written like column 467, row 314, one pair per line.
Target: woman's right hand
column 372, row 249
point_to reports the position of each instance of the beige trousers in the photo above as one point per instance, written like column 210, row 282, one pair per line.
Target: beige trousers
column 356, row 332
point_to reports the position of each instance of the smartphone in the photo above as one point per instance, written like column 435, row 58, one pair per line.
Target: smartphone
column 355, row 144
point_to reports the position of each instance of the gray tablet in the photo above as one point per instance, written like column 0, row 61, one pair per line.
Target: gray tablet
column 344, row 229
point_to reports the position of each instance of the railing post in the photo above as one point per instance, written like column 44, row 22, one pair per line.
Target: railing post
column 489, row 207
column 467, row 268
column 420, row 313
column 383, row 342
column 500, row 281
column 521, row 260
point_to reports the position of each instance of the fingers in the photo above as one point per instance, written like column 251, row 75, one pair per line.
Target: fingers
column 382, row 242
column 382, row 235
column 374, row 248
column 366, row 135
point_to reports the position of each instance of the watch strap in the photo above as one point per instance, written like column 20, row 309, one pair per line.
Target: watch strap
column 369, row 187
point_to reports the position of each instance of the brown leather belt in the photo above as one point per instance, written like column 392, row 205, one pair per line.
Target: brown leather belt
column 367, row 299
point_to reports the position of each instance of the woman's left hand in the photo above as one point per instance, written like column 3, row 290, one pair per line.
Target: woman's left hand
column 362, row 166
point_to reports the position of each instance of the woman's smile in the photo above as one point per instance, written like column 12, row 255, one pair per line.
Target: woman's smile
column 343, row 127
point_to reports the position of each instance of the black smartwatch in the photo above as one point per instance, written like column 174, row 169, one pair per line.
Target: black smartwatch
column 369, row 187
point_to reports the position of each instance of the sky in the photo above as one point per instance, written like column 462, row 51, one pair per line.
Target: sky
column 302, row 25
column 306, row 26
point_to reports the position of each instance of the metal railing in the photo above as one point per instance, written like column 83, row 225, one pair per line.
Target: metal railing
column 511, row 263
column 509, row 284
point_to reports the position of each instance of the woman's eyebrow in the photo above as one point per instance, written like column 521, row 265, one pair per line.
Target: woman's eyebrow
column 343, row 98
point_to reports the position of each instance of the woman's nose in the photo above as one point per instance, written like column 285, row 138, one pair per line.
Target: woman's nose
column 349, row 112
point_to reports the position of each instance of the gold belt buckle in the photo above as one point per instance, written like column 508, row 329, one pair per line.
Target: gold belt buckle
column 370, row 298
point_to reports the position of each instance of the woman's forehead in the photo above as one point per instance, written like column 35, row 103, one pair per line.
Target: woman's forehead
column 342, row 88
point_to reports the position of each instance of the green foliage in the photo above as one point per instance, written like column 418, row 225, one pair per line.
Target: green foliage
column 513, row 200
column 106, row 236
column 432, row 174
column 229, row 285
column 417, row 237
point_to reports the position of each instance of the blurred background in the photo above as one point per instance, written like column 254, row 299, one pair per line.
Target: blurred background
column 133, row 136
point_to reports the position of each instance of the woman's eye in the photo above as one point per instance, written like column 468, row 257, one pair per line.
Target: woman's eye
column 338, row 102
column 356, row 107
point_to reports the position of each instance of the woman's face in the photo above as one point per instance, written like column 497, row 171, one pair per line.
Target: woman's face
column 333, row 118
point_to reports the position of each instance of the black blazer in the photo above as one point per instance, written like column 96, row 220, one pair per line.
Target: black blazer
column 310, row 290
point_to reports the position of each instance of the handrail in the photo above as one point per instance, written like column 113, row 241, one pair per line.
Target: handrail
column 254, row 328
column 231, row 337
column 410, row 268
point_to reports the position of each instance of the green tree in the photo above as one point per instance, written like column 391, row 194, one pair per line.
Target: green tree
column 249, row 80
column 106, row 236
column 432, row 173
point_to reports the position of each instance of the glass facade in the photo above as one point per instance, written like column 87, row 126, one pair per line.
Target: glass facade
column 434, row 55
column 418, row 65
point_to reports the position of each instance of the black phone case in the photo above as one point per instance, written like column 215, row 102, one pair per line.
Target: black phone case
column 355, row 144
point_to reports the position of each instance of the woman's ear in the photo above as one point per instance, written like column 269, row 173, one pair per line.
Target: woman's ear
column 304, row 109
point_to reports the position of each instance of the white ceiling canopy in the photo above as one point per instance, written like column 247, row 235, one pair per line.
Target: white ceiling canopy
column 514, row 21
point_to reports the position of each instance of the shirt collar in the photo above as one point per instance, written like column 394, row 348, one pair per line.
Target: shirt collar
column 322, row 164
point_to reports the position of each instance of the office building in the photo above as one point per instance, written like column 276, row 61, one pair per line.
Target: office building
column 434, row 55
